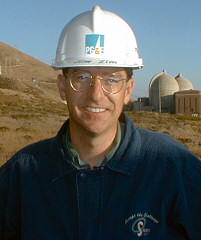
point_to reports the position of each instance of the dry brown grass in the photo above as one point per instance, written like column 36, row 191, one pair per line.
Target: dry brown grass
column 185, row 129
column 25, row 129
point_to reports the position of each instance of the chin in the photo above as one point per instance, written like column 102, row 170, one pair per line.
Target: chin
column 94, row 130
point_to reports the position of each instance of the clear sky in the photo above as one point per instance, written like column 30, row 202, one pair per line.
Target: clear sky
column 168, row 32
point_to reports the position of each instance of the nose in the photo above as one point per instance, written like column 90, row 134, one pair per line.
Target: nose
column 96, row 91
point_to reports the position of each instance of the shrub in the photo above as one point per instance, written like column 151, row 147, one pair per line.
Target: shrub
column 4, row 129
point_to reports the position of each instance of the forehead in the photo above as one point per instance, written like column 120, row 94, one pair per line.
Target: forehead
column 98, row 70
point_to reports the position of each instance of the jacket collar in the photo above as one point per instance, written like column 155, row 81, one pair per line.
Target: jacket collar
column 127, row 156
column 60, row 164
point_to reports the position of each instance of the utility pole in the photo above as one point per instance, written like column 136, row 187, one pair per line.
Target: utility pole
column 159, row 96
column 8, row 67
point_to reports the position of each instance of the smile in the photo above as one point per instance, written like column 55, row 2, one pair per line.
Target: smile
column 95, row 110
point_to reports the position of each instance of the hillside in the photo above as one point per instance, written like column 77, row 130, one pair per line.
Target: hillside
column 31, row 110
column 24, row 77
column 29, row 100
column 18, row 65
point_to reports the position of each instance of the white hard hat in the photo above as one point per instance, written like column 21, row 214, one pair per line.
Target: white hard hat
column 97, row 38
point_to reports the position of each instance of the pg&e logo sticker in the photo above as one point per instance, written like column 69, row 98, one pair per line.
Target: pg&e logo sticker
column 94, row 44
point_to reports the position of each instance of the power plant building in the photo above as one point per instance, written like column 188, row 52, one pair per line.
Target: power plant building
column 188, row 102
column 162, row 88
column 171, row 95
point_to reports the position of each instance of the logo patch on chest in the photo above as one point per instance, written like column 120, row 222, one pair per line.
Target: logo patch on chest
column 141, row 224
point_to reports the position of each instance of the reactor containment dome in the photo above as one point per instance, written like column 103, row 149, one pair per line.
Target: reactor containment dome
column 162, row 88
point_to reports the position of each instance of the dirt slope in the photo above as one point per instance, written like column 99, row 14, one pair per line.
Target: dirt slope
column 18, row 65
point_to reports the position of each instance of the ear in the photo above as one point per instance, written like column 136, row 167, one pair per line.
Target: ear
column 61, row 86
column 129, row 89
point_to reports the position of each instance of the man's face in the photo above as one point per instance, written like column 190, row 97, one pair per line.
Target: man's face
column 95, row 110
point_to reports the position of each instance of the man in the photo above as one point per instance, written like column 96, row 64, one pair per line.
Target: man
column 100, row 177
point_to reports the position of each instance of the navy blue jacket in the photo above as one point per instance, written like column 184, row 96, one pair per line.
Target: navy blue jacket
column 150, row 189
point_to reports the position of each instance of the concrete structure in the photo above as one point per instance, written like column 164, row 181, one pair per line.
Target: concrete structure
column 188, row 102
column 161, row 92
column 142, row 104
column 184, row 84
column 162, row 88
